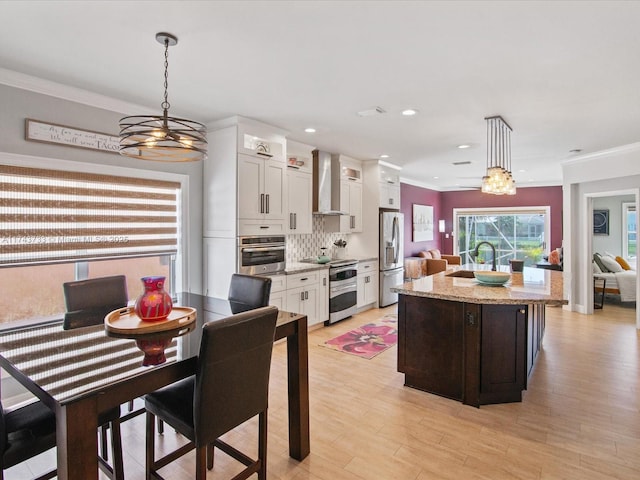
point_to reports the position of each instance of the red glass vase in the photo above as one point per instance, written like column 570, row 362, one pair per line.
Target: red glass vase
column 154, row 304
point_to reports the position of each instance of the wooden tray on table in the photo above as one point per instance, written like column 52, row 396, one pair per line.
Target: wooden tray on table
column 125, row 323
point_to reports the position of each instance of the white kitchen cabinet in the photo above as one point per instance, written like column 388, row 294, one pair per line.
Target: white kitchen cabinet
column 278, row 296
column 389, row 196
column 367, row 283
column 323, row 296
column 389, row 187
column 303, row 295
column 261, row 188
column 232, row 185
column 300, row 199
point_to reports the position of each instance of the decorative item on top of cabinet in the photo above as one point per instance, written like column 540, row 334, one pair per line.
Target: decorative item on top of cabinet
column 346, row 182
column 300, row 187
column 367, row 284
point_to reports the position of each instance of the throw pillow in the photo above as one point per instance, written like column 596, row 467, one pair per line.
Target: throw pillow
column 424, row 254
column 435, row 253
column 611, row 264
column 623, row 263
column 598, row 259
column 596, row 268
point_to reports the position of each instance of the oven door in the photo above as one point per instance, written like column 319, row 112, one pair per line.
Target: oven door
column 264, row 259
column 343, row 298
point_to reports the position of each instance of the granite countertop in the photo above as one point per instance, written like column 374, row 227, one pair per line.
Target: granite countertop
column 533, row 285
column 301, row 267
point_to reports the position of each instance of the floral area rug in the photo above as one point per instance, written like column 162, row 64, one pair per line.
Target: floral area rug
column 368, row 340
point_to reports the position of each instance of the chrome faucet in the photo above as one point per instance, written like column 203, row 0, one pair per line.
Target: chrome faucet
column 493, row 260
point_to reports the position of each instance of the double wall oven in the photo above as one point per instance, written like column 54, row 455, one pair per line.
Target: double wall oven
column 261, row 254
column 343, row 289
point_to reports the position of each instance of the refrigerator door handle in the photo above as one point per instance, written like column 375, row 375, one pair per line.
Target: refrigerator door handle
column 395, row 238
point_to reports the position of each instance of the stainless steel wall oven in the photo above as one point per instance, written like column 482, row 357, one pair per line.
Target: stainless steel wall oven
column 261, row 254
column 343, row 289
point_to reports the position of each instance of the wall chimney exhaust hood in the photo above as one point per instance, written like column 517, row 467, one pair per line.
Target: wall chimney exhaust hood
column 326, row 185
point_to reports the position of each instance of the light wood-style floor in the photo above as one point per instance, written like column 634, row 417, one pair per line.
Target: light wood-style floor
column 579, row 419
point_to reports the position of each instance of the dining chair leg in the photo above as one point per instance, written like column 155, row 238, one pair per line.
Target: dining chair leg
column 116, row 449
column 150, row 446
column 262, row 445
column 201, row 463
column 210, row 456
column 160, row 426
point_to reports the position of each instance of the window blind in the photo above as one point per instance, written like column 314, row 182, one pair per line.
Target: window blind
column 51, row 216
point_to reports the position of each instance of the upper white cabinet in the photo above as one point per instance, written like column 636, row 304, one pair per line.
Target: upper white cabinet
column 261, row 188
column 300, row 187
column 389, row 188
column 348, row 176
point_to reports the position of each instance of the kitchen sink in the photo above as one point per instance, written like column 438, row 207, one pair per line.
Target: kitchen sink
column 461, row 273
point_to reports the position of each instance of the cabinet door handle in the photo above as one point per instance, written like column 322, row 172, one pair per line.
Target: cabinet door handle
column 291, row 221
column 306, row 295
column 471, row 320
column 324, row 282
column 262, row 203
column 304, row 279
column 302, row 296
column 267, row 203
column 264, row 227
column 391, row 201
column 295, row 221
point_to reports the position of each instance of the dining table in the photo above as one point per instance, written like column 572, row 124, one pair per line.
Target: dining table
column 82, row 372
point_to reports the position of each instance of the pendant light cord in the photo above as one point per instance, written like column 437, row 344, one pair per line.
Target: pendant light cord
column 165, row 105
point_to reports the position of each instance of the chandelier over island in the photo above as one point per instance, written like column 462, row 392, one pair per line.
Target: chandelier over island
column 161, row 137
column 498, row 179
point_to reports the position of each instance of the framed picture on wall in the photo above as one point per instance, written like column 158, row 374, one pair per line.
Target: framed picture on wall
column 422, row 223
column 601, row 222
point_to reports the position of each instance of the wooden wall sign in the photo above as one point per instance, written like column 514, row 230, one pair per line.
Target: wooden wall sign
column 37, row 131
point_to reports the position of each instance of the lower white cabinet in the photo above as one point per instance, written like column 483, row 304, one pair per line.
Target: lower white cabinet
column 323, row 296
column 367, row 283
column 278, row 291
column 306, row 293
column 303, row 294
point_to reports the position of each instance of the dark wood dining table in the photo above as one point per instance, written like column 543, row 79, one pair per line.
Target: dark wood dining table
column 83, row 372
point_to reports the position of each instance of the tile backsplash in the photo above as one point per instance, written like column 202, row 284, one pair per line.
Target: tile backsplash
column 301, row 246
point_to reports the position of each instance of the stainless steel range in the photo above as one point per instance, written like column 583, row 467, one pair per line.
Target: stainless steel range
column 343, row 289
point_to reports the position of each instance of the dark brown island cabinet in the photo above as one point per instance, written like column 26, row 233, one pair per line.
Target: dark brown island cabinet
column 475, row 353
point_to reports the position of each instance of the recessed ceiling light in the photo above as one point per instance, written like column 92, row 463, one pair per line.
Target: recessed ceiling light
column 310, row 130
column 390, row 165
column 435, row 178
column 409, row 112
column 464, row 145
column 384, row 155
column 522, row 170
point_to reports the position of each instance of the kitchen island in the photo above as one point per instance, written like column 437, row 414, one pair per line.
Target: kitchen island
column 472, row 342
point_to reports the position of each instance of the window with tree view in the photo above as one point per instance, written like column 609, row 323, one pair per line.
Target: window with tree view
column 521, row 233
column 629, row 230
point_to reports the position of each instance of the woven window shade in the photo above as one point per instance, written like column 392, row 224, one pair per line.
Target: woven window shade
column 49, row 216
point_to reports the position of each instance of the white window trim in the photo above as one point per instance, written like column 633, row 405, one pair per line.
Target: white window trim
column 625, row 233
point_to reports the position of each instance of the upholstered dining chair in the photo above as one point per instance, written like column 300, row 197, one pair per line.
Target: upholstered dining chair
column 24, row 433
column 88, row 302
column 248, row 291
column 231, row 386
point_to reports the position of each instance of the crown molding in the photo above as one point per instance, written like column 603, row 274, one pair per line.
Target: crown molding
column 622, row 149
column 53, row 89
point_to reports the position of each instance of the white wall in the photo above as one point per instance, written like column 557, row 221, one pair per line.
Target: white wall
column 586, row 179
column 612, row 242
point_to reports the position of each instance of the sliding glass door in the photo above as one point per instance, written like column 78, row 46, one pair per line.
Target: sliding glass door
column 521, row 233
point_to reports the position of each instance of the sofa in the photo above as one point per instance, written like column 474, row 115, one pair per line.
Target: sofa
column 428, row 262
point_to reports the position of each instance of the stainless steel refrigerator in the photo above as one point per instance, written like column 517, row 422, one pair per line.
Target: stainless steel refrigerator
column 391, row 255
